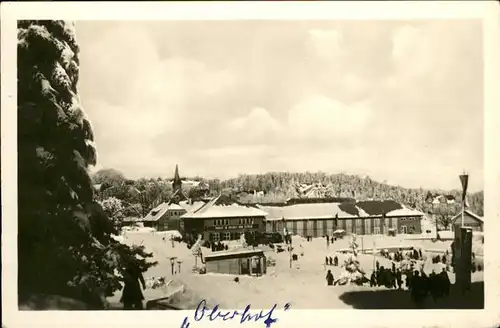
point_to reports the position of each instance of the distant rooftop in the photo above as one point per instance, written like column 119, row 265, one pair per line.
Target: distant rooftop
column 160, row 210
column 337, row 210
column 225, row 207
column 233, row 253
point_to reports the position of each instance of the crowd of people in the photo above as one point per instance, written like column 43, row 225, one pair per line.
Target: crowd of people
column 390, row 278
column 418, row 283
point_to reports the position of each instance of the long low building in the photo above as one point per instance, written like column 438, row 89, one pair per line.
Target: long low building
column 223, row 218
column 320, row 219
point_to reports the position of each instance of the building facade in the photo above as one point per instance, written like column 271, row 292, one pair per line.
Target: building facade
column 244, row 262
column 471, row 220
column 167, row 216
column 164, row 217
column 223, row 219
column 320, row 219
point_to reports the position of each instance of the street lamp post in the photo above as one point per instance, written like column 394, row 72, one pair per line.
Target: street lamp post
column 172, row 261
column 288, row 240
column 179, row 265
column 362, row 243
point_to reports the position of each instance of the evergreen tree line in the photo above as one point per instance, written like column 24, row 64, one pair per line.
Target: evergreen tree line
column 279, row 186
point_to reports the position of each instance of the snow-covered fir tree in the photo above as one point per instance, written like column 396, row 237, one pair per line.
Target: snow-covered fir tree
column 196, row 251
column 352, row 269
column 113, row 208
column 65, row 244
column 243, row 241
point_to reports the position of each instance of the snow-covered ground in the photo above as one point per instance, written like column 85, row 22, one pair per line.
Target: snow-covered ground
column 303, row 285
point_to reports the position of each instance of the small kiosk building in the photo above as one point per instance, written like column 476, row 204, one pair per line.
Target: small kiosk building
column 238, row 262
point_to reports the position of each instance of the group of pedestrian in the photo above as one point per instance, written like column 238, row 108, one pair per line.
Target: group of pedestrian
column 389, row 278
column 329, row 240
column 419, row 284
column 217, row 246
column 330, row 261
column 399, row 256
column 422, row 285
column 440, row 259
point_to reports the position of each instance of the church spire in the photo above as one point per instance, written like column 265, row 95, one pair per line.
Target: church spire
column 176, row 177
column 177, row 183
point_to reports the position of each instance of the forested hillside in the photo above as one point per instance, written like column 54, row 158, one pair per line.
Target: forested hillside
column 277, row 187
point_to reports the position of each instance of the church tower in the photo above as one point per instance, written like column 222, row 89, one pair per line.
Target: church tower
column 177, row 183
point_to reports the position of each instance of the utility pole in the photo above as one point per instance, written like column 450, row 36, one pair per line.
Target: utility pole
column 373, row 252
column 362, row 244
column 434, row 215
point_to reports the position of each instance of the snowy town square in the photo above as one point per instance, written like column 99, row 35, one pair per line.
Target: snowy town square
column 304, row 282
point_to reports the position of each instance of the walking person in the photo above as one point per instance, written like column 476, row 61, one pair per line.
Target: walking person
column 399, row 278
column 409, row 276
column 434, row 286
column 329, row 278
column 132, row 296
column 416, row 289
column 445, row 281
column 373, row 280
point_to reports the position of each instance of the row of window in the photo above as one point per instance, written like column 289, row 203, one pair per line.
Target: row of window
column 348, row 225
column 223, row 222
column 176, row 213
column 406, row 219
column 216, row 236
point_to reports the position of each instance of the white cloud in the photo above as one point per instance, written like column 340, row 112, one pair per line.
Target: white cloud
column 198, row 93
column 412, row 52
column 232, row 160
column 258, row 123
column 319, row 117
column 135, row 95
column 325, row 43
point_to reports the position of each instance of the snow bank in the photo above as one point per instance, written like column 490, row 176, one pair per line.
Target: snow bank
column 169, row 233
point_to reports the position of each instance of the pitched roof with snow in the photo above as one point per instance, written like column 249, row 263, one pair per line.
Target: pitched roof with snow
column 471, row 214
column 305, row 211
column 375, row 207
column 178, row 193
column 233, row 253
column 189, row 207
column 340, row 210
column 224, row 207
column 175, row 207
column 404, row 212
column 156, row 213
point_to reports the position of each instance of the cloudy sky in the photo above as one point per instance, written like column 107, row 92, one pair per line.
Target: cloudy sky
column 398, row 101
